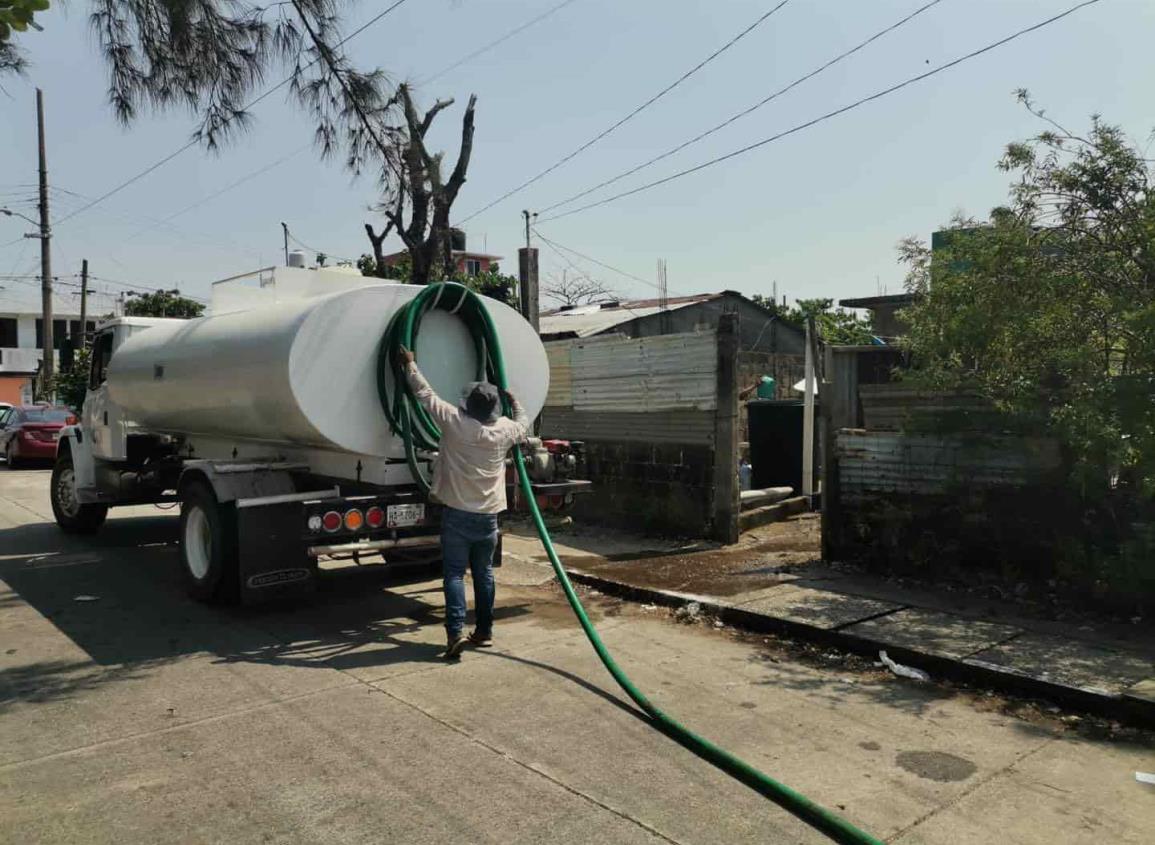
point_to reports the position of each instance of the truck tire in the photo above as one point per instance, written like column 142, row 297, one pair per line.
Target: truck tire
column 73, row 516
column 208, row 545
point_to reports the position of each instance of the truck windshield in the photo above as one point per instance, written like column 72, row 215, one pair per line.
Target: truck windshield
column 61, row 415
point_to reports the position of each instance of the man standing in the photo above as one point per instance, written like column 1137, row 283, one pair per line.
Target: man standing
column 469, row 480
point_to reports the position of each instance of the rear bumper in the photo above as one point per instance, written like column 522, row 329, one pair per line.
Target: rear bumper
column 423, row 541
column 36, row 449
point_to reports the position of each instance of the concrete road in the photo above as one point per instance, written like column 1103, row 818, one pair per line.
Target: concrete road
column 141, row 717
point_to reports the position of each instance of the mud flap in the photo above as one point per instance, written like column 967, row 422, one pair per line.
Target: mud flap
column 272, row 555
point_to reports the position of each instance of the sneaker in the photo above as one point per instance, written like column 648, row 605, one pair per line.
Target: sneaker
column 481, row 640
column 455, row 647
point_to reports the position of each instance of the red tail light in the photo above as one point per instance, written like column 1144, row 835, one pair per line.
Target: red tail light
column 331, row 521
column 375, row 517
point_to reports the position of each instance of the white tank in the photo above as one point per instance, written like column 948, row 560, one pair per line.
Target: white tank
column 303, row 371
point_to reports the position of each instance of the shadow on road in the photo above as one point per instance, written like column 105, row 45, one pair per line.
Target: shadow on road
column 119, row 597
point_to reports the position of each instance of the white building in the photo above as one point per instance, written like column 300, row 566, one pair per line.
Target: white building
column 21, row 341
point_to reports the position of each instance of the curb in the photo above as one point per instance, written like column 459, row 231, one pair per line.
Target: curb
column 1121, row 707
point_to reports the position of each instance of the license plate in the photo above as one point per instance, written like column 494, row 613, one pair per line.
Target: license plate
column 399, row 516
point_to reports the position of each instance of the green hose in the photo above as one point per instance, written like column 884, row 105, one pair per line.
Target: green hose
column 409, row 420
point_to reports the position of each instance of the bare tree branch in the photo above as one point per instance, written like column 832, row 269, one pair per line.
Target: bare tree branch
column 576, row 290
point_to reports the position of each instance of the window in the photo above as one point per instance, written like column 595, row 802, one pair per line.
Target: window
column 101, row 353
column 59, row 330
column 8, row 333
column 472, row 267
column 48, row 415
column 74, row 330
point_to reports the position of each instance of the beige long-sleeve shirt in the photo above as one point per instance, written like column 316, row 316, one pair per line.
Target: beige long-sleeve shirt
column 469, row 473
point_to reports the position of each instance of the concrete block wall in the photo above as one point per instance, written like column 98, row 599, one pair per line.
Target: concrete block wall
column 659, row 417
column 664, row 488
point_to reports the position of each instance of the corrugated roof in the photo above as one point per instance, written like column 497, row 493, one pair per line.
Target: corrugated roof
column 584, row 322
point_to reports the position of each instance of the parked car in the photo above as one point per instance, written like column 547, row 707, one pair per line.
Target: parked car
column 30, row 432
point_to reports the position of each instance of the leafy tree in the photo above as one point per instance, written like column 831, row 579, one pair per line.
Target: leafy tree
column 162, row 303
column 16, row 16
column 214, row 57
column 493, row 283
column 1047, row 307
column 834, row 325
column 72, row 384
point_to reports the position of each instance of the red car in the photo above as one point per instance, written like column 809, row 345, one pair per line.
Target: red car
column 31, row 431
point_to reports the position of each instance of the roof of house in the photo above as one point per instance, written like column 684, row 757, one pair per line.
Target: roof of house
column 888, row 300
column 589, row 320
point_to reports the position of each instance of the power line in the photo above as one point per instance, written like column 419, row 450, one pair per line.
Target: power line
column 824, row 117
column 555, row 245
column 150, row 223
column 305, row 246
column 568, row 260
column 131, row 286
column 196, row 138
column 236, row 184
column 845, row 55
column 632, row 114
column 496, row 43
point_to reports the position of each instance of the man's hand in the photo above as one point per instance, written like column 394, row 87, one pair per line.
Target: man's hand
column 406, row 356
column 509, row 397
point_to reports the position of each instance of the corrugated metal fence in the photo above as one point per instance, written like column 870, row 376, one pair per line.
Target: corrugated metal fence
column 658, row 416
column 661, row 389
column 880, row 463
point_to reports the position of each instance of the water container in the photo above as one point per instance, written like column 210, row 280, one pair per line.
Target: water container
column 766, row 388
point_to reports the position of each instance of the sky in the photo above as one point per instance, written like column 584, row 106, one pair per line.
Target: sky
column 815, row 214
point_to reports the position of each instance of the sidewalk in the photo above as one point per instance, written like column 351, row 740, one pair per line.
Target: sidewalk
column 772, row 582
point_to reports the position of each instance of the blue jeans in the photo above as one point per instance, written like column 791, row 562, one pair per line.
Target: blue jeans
column 468, row 541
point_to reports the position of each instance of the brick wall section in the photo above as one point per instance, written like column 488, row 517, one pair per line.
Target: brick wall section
column 659, row 489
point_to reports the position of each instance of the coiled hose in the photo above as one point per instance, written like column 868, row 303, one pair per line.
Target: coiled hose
column 418, row 431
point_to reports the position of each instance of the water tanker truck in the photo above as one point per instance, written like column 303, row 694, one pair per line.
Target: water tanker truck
column 264, row 421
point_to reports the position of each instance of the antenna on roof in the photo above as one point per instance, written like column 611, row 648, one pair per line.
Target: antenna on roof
column 663, row 288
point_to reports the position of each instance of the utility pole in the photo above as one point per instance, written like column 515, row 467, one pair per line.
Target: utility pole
column 527, row 266
column 285, row 226
column 808, row 415
column 47, row 367
column 83, row 304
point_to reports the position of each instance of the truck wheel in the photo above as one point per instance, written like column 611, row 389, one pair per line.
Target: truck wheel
column 208, row 545
column 73, row 516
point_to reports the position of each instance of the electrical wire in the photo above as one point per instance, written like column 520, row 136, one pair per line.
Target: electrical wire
column 196, row 138
column 556, row 245
column 765, row 101
column 146, row 288
column 632, row 114
column 151, row 223
column 495, row 43
column 822, row 118
column 232, row 185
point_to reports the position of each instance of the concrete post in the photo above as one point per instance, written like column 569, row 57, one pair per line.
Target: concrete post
column 527, row 273
column 725, row 487
column 839, row 408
